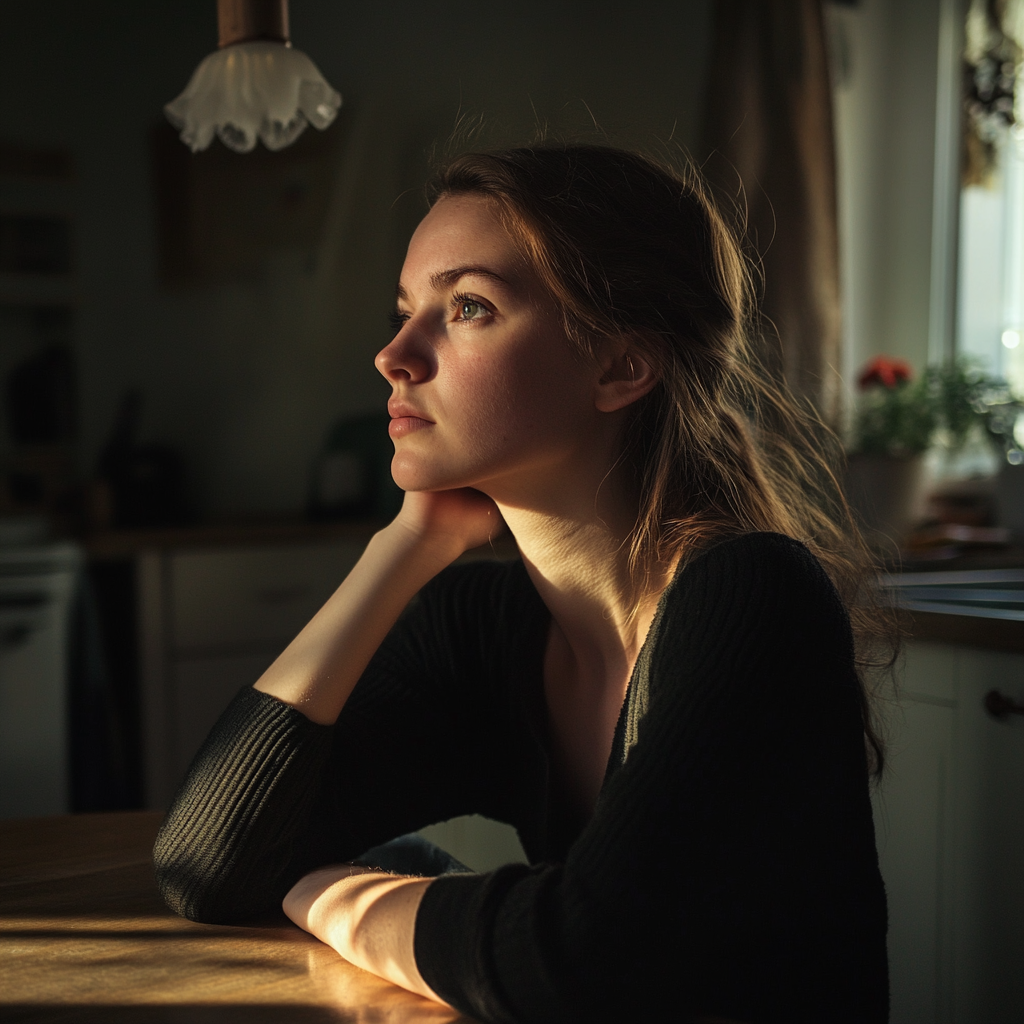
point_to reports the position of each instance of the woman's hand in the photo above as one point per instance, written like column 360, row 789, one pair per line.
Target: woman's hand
column 319, row 668
column 464, row 518
column 367, row 916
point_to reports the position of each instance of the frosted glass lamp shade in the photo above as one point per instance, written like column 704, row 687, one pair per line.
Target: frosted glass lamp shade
column 255, row 90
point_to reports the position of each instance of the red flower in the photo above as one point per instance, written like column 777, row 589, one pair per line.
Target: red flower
column 885, row 371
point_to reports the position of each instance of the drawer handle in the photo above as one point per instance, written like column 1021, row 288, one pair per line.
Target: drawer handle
column 999, row 706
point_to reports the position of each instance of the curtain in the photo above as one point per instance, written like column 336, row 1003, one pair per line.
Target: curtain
column 768, row 130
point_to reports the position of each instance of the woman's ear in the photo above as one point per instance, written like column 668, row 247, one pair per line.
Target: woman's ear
column 627, row 377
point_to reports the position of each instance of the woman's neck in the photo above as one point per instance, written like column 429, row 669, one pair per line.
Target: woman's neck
column 578, row 559
column 579, row 563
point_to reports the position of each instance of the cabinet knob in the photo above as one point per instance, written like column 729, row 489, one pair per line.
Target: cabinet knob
column 1000, row 706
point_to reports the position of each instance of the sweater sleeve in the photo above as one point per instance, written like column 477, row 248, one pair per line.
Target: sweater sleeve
column 271, row 794
column 222, row 852
column 729, row 868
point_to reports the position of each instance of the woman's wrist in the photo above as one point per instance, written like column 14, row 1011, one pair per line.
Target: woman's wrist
column 367, row 916
column 319, row 668
column 419, row 548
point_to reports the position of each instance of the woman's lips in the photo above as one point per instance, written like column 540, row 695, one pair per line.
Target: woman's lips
column 400, row 426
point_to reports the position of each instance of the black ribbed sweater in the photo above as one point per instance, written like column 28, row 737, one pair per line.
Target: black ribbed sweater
column 729, row 867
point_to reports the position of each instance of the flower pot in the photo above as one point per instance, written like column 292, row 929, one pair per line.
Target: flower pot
column 886, row 494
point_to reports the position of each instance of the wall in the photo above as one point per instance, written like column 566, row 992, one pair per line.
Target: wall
column 885, row 103
column 244, row 378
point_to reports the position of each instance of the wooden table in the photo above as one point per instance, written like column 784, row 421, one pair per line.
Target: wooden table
column 85, row 936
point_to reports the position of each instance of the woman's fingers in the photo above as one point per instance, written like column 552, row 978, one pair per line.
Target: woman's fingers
column 464, row 515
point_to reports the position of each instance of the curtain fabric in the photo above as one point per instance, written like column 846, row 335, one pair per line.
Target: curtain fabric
column 769, row 133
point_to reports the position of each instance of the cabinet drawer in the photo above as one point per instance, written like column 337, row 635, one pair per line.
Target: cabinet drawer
column 247, row 597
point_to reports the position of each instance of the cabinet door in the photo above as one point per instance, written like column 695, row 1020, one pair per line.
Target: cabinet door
column 912, row 811
column 33, row 705
column 200, row 690
column 988, row 844
column 210, row 622
column 251, row 597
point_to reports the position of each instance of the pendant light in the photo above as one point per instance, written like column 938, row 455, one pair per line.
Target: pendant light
column 255, row 86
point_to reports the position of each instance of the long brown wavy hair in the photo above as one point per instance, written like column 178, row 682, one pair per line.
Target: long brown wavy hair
column 631, row 247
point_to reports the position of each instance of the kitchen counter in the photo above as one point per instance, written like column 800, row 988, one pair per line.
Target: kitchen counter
column 976, row 607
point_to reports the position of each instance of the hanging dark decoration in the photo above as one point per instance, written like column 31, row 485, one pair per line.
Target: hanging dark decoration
column 992, row 63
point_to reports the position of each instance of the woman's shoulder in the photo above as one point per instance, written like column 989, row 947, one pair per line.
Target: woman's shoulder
column 758, row 557
column 769, row 578
column 755, row 607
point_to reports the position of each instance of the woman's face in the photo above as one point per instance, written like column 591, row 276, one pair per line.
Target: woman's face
column 487, row 390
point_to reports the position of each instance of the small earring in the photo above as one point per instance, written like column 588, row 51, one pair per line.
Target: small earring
column 632, row 372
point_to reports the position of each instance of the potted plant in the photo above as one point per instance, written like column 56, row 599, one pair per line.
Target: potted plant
column 895, row 420
column 899, row 418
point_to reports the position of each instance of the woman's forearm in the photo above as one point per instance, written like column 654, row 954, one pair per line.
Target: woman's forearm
column 368, row 916
column 320, row 667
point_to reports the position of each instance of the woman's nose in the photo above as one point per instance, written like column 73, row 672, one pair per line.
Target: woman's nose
column 403, row 359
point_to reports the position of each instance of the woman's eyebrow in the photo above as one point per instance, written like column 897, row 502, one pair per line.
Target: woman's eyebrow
column 446, row 278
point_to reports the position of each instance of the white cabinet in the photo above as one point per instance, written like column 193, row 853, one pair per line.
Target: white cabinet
column 211, row 621
column 37, row 590
column 950, row 823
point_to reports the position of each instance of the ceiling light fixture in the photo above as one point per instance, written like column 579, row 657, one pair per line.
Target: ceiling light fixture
column 254, row 86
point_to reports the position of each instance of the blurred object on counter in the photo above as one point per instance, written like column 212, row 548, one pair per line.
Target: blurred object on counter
column 960, row 519
column 958, row 535
column 41, row 419
column 41, row 398
column 352, row 474
column 967, row 502
column 137, row 484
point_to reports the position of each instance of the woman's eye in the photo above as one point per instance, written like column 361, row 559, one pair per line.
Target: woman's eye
column 470, row 309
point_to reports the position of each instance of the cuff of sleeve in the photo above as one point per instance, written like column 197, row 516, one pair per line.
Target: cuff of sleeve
column 453, row 940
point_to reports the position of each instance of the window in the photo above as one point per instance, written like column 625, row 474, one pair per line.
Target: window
column 990, row 321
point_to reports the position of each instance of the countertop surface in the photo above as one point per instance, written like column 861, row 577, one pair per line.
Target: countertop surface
column 85, row 936
column 974, row 607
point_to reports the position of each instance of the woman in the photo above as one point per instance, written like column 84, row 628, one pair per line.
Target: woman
column 661, row 696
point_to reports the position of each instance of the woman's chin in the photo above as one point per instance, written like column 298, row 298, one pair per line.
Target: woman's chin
column 415, row 474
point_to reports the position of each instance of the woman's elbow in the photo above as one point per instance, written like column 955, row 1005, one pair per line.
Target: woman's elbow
column 187, row 892
column 195, row 886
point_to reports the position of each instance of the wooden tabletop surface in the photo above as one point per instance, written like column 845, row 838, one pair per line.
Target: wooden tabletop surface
column 85, row 936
